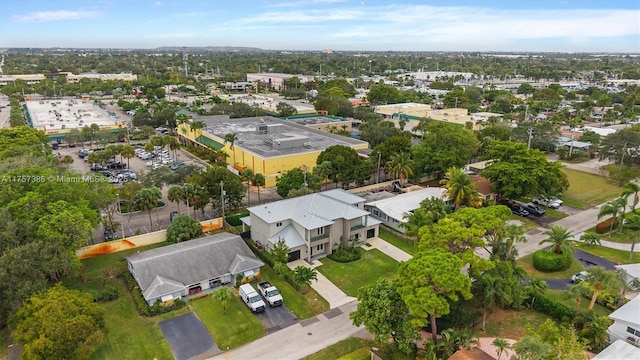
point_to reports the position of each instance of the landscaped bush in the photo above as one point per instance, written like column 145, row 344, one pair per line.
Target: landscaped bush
column 553, row 308
column 344, row 254
column 141, row 304
column 548, row 261
column 605, row 226
column 109, row 293
column 234, row 220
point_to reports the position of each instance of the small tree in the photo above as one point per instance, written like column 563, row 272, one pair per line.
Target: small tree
column 590, row 238
column 501, row 346
column 183, row 228
column 303, row 276
column 559, row 238
column 279, row 251
column 222, row 294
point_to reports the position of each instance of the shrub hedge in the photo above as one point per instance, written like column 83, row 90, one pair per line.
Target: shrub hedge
column 604, row 226
column 548, row 261
column 553, row 308
column 344, row 254
column 109, row 293
column 234, row 220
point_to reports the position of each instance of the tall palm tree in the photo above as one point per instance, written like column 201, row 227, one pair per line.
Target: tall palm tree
column 258, row 180
column 195, row 126
column 513, row 233
column 632, row 188
column 460, row 189
column 401, row 166
column 559, row 238
column 231, row 138
column 176, row 194
column 612, row 208
column 245, row 176
column 600, row 277
column 127, row 152
column 147, row 200
column 633, row 223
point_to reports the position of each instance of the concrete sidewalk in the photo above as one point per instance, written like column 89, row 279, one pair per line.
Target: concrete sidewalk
column 324, row 287
column 302, row 339
column 393, row 252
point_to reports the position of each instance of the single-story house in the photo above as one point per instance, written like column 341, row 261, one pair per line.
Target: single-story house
column 484, row 187
column 631, row 272
column 179, row 270
column 626, row 323
column 312, row 225
column 392, row 210
column 569, row 143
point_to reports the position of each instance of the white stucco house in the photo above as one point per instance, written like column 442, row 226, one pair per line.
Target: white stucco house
column 312, row 225
column 392, row 210
column 187, row 268
column 626, row 325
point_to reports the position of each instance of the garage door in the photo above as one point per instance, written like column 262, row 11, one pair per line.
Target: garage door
column 294, row 255
column 371, row 233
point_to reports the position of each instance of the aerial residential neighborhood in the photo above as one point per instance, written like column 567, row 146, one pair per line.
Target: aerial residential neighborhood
column 319, row 180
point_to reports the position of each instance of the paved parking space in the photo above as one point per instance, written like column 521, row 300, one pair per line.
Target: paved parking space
column 188, row 337
column 276, row 318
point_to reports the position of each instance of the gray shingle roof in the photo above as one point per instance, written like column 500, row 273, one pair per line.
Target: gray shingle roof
column 191, row 262
column 310, row 211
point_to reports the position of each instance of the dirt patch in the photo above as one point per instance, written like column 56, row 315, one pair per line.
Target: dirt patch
column 510, row 324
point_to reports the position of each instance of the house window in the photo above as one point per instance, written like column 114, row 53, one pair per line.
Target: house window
column 214, row 283
column 320, row 247
column 320, row 231
column 194, row 289
column 487, row 197
column 279, row 223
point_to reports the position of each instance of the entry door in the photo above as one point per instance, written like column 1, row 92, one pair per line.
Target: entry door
column 294, row 255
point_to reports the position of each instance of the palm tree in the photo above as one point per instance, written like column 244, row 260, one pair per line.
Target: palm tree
column 303, row 275
column 460, row 189
column 176, row 194
column 514, row 234
column 245, row 176
column 323, row 170
column 258, row 180
column 147, row 200
column 632, row 188
column 501, row 345
column 222, row 294
column 590, row 238
column 415, row 220
column 195, row 126
column 559, row 238
column 231, row 139
column 612, row 208
column 599, row 277
column 128, row 152
column 536, row 287
column 401, row 166
column 174, row 145
column 492, row 292
column 67, row 160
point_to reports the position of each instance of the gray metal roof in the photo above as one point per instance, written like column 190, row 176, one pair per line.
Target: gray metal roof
column 344, row 196
column 291, row 237
column 250, row 140
column 628, row 313
column 191, row 262
column 309, row 211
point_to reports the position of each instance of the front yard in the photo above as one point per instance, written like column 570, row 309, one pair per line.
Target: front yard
column 526, row 263
column 617, row 256
column 349, row 277
column 588, row 190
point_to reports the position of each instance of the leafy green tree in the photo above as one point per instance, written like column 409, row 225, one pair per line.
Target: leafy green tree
column 444, row 146
column 280, row 251
column 284, row 109
column 323, row 170
column 347, row 166
column 223, row 295
column 376, row 130
column 384, row 314
column 531, row 348
column 401, row 166
column 291, row 180
column 536, row 288
column 384, row 94
column 59, row 324
column 525, row 88
column 429, row 281
column 460, row 189
column 559, row 238
column 245, row 176
column 415, row 220
column 303, row 276
column 183, row 228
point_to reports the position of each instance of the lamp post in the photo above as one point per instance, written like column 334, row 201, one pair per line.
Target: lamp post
column 186, row 197
column 119, row 211
column 378, row 170
column 222, row 201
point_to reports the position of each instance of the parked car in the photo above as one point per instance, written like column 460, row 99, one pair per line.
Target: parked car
column 554, row 203
column 534, row 209
column 518, row 210
column 177, row 165
column 270, row 293
column 576, row 278
column 109, row 235
column 173, row 216
column 251, row 298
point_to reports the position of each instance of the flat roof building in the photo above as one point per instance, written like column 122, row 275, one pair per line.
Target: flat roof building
column 266, row 145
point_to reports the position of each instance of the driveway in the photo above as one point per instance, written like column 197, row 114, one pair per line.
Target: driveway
column 585, row 259
column 188, row 337
column 276, row 318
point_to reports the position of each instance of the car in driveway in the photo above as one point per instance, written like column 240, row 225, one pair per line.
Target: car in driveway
column 534, row 209
column 518, row 210
column 554, row 203
column 576, row 278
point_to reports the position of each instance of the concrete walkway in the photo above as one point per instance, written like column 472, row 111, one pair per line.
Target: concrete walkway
column 393, row 252
column 302, row 339
column 486, row 345
column 324, row 287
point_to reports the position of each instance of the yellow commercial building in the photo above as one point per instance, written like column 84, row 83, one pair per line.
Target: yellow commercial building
column 266, row 145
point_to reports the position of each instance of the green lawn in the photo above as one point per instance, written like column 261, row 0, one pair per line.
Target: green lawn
column 341, row 348
column 527, row 223
column 617, row 256
column 131, row 336
column 402, row 244
column 238, row 326
column 92, row 267
column 526, row 263
column 303, row 306
column 555, row 214
column 349, row 277
column 560, row 296
column 587, row 190
column 509, row 324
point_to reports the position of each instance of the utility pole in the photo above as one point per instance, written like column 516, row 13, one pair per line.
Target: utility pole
column 222, row 201
column 624, row 150
column 378, row 170
column 530, row 132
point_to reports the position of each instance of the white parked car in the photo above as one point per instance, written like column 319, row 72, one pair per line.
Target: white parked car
column 553, row 203
column 576, row 278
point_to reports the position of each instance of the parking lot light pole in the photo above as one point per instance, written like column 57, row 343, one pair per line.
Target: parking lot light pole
column 222, row 202
column 186, row 197
column 120, row 211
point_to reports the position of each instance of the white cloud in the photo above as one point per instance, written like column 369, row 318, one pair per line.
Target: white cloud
column 300, row 3
column 45, row 16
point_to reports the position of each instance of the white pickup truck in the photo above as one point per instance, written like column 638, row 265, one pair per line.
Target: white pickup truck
column 250, row 296
column 270, row 293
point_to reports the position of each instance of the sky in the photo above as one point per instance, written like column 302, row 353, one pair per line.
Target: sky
column 360, row 25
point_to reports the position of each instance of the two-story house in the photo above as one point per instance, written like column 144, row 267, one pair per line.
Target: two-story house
column 626, row 323
column 313, row 225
